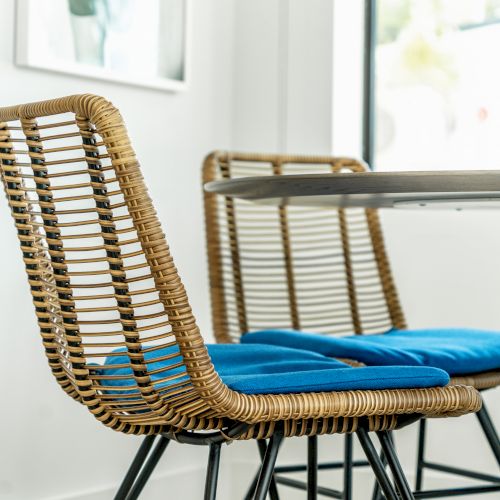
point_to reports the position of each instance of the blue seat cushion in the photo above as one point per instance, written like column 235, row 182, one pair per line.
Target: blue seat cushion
column 458, row 351
column 268, row 369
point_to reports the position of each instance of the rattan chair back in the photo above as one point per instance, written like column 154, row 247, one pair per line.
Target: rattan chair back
column 318, row 269
column 98, row 265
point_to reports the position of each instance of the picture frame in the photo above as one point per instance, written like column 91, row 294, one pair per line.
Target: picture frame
column 105, row 40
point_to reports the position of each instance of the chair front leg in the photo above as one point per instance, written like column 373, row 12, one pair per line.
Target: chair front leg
column 376, row 465
column 377, row 493
column 347, row 494
column 135, row 467
column 273, row 488
column 212, row 471
column 419, row 479
column 393, row 461
column 312, row 468
column 251, row 489
column 148, row 468
column 489, row 431
column 267, row 469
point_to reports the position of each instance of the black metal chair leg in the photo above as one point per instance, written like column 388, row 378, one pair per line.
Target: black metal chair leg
column 420, row 454
column 135, row 467
column 393, row 461
column 489, row 431
column 312, row 468
column 376, row 491
column 148, row 468
column 377, row 494
column 251, row 489
column 212, row 471
column 273, row 489
column 267, row 469
column 348, row 467
column 376, row 464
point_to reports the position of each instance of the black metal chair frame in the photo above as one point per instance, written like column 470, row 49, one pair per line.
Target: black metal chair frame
column 149, row 455
column 492, row 483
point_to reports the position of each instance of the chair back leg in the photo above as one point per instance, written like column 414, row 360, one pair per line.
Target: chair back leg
column 489, row 431
column 212, row 471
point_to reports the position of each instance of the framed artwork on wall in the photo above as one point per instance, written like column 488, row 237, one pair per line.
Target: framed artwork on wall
column 136, row 42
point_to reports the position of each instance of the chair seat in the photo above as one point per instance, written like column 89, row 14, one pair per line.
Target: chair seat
column 268, row 369
column 458, row 351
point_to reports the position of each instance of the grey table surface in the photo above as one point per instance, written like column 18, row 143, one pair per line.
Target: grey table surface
column 448, row 189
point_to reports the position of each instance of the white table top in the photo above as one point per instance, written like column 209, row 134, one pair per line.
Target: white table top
column 441, row 189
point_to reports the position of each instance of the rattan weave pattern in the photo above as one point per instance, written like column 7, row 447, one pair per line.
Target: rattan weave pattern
column 102, row 277
column 325, row 270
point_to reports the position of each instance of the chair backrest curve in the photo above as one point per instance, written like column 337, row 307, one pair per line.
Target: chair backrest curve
column 315, row 269
column 99, row 268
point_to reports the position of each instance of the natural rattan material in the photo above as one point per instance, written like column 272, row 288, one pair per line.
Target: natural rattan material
column 481, row 381
column 102, row 278
column 322, row 269
column 324, row 263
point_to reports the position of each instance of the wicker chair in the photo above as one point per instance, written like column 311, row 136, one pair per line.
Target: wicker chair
column 102, row 279
column 312, row 269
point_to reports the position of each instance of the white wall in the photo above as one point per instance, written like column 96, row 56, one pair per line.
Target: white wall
column 282, row 76
column 447, row 265
column 51, row 447
column 261, row 81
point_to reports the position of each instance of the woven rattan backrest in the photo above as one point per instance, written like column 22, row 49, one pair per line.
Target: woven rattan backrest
column 98, row 265
column 316, row 269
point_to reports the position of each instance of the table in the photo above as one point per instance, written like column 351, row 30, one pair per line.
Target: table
column 442, row 189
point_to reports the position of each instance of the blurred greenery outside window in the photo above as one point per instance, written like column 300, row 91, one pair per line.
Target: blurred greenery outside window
column 437, row 91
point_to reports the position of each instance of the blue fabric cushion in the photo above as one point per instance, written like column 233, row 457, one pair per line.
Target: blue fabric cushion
column 266, row 369
column 458, row 351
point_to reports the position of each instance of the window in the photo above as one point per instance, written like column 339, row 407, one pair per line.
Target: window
column 436, row 91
